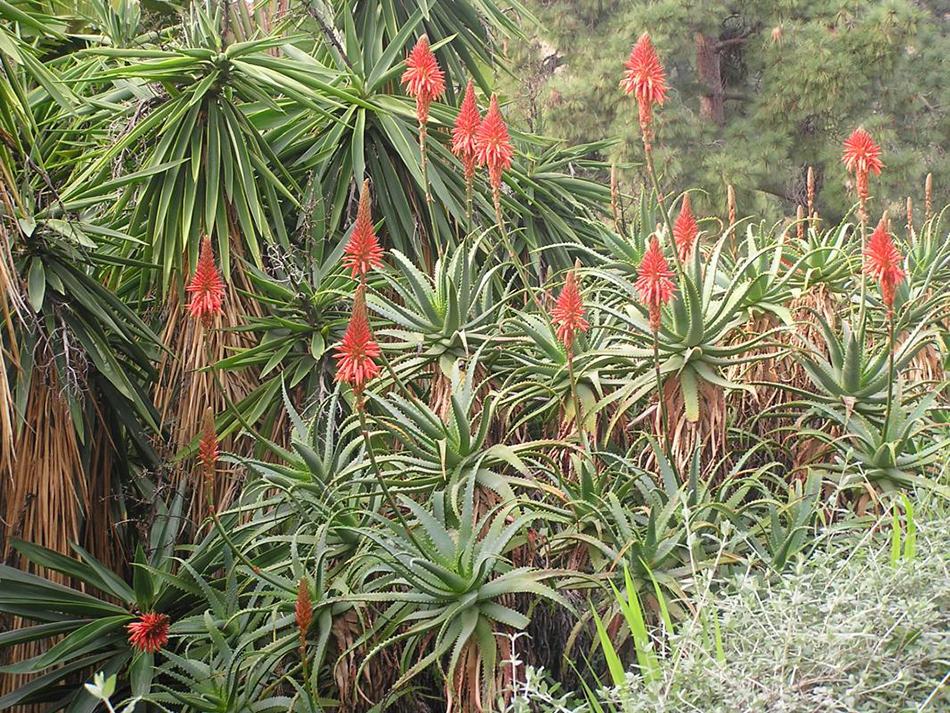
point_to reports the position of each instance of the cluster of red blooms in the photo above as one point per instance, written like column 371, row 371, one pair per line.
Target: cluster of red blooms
column 482, row 142
column 465, row 133
column 882, row 261
column 861, row 156
column 476, row 141
column 485, row 142
column 654, row 283
column 358, row 350
column 423, row 78
column 363, row 251
column 149, row 633
column 685, row 230
column 568, row 312
column 206, row 287
column 646, row 80
column 492, row 144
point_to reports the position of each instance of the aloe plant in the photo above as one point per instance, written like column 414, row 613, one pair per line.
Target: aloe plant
column 441, row 319
column 452, row 585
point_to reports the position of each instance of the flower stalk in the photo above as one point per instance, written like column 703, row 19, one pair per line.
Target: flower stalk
column 425, row 82
column 862, row 156
column 882, row 261
column 569, row 318
column 465, row 144
column 655, row 288
column 303, row 614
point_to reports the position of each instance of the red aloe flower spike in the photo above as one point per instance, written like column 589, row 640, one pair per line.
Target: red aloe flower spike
column 303, row 611
column 493, row 145
column 423, row 78
column 685, row 230
column 882, row 261
column 149, row 633
column 208, row 455
column 206, row 287
column 358, row 349
column 363, row 252
column 646, row 80
column 464, row 135
column 861, row 156
column 208, row 447
column 568, row 312
column 654, row 284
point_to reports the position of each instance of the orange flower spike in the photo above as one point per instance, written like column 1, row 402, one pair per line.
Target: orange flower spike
column 363, row 251
column 424, row 79
column 493, row 145
column 149, row 633
column 568, row 312
column 645, row 78
column 685, row 230
column 206, row 287
column 654, row 283
column 303, row 610
column 208, row 446
column 465, row 133
column 882, row 261
column 355, row 354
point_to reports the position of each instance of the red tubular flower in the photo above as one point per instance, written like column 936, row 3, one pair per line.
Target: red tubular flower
column 685, row 230
column 464, row 135
column 882, row 261
column 303, row 611
column 363, row 252
column 861, row 156
column 493, row 145
column 206, row 287
column 646, row 80
column 423, row 78
column 654, row 284
column 568, row 312
column 358, row 349
column 149, row 633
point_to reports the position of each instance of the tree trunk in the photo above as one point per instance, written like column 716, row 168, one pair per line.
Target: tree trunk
column 707, row 66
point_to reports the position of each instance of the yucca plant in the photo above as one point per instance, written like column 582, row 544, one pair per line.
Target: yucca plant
column 86, row 625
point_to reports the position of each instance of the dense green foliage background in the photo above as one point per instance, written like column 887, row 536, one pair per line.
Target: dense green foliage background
column 390, row 545
column 796, row 77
